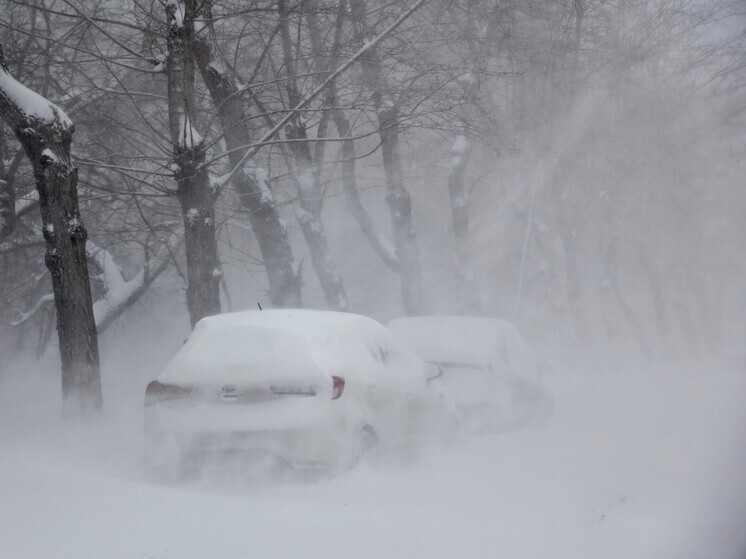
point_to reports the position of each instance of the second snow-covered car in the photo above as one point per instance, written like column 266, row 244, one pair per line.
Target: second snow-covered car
column 313, row 389
column 487, row 367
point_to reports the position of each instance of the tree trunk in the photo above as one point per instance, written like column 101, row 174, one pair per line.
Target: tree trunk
column 458, row 197
column 400, row 206
column 198, row 213
column 193, row 190
column 46, row 134
column 397, row 196
column 610, row 262
column 7, row 197
column 459, row 201
column 479, row 35
column 573, row 282
column 344, row 129
column 352, row 197
column 253, row 190
column 310, row 194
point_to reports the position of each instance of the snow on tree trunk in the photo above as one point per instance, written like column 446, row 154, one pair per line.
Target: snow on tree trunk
column 383, row 248
column 365, row 50
column 198, row 213
column 309, row 191
column 46, row 132
column 250, row 183
column 479, row 37
column 344, row 129
column 400, row 206
column 397, row 196
column 193, row 189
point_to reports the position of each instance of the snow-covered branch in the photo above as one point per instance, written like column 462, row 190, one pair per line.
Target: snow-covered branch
column 21, row 105
column 43, row 301
column 121, row 294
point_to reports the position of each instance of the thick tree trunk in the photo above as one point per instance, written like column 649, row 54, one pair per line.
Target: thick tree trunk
column 193, row 190
column 46, row 134
column 66, row 236
column 252, row 187
column 310, row 194
column 198, row 213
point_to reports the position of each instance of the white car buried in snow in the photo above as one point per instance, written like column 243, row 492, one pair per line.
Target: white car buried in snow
column 487, row 367
column 311, row 389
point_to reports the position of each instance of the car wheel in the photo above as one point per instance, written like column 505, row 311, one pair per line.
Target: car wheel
column 532, row 406
column 365, row 447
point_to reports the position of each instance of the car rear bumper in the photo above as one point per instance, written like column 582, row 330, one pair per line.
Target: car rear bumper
column 305, row 449
column 301, row 449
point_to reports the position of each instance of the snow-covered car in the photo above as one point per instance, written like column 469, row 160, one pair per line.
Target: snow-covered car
column 312, row 389
column 487, row 367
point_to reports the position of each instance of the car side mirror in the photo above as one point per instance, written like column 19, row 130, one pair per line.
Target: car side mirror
column 434, row 371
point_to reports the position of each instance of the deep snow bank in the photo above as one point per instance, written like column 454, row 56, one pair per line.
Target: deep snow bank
column 643, row 464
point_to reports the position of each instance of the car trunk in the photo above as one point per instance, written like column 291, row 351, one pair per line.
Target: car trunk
column 243, row 378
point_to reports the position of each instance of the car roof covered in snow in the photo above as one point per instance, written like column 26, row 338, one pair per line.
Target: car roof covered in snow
column 233, row 346
column 463, row 339
column 297, row 320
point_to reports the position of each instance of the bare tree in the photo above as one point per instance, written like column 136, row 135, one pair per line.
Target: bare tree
column 193, row 188
column 386, row 104
column 251, row 184
column 306, row 174
column 333, row 106
column 46, row 133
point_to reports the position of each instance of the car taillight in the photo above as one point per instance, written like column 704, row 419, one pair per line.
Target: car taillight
column 157, row 391
column 338, row 386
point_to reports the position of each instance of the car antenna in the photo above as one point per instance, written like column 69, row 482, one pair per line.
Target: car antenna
column 258, row 304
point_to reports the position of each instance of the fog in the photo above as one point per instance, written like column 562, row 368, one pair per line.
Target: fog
column 642, row 462
column 572, row 168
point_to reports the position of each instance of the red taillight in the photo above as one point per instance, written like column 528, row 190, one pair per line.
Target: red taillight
column 338, row 386
column 157, row 391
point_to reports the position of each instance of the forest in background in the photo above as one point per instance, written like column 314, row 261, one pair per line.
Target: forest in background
column 572, row 166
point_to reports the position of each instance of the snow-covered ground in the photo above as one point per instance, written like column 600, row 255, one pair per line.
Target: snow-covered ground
column 640, row 464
